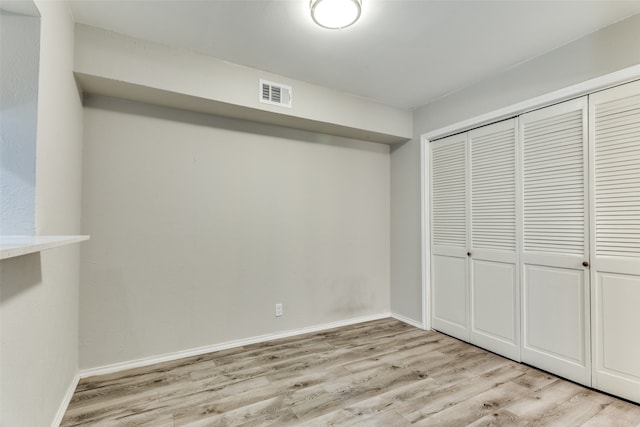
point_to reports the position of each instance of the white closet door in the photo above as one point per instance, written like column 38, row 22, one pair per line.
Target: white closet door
column 494, row 299
column 555, row 284
column 449, row 236
column 615, row 160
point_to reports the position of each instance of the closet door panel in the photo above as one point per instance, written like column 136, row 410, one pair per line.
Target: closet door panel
column 449, row 264
column 494, row 298
column 554, row 319
column 615, row 206
column 450, row 296
column 555, row 296
column 494, row 303
column 619, row 295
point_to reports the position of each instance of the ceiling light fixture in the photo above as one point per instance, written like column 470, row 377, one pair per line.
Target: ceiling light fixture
column 335, row 14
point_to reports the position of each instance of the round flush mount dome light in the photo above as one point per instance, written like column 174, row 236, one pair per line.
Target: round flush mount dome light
column 335, row 14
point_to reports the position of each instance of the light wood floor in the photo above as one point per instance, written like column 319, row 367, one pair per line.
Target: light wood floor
column 380, row 373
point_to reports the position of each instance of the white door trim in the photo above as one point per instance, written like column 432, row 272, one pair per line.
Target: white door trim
column 425, row 202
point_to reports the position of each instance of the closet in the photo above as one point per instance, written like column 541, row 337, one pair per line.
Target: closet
column 535, row 238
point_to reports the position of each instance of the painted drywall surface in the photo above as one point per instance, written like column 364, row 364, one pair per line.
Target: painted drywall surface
column 20, row 53
column 608, row 50
column 58, row 193
column 200, row 225
column 39, row 292
column 39, row 334
column 59, row 155
column 611, row 49
column 405, row 220
column 116, row 57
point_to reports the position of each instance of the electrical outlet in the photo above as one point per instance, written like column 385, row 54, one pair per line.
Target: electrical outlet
column 278, row 309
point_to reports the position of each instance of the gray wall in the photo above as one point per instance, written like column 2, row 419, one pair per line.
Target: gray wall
column 39, row 292
column 200, row 224
column 20, row 50
column 406, row 244
column 113, row 64
column 611, row 49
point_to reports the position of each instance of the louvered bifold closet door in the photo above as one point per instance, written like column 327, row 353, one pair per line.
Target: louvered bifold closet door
column 555, row 284
column 615, row 255
column 449, row 236
column 494, row 298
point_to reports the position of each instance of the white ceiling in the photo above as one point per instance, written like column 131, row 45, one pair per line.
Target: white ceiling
column 404, row 53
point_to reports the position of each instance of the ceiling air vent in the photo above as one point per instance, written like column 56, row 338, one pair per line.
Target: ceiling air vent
column 275, row 94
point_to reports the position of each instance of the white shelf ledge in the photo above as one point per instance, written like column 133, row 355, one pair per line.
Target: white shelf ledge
column 13, row 246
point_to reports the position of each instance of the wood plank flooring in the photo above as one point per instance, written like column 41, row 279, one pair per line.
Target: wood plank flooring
column 380, row 373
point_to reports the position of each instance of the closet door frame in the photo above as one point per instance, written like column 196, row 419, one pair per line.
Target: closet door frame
column 623, row 76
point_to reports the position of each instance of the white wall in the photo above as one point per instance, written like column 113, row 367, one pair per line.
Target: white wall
column 608, row 50
column 20, row 50
column 200, row 224
column 39, row 292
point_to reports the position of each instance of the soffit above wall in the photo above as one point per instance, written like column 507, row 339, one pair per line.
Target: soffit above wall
column 112, row 64
column 119, row 89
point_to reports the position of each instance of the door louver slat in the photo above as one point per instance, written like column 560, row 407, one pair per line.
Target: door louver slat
column 553, row 184
column 617, row 177
column 449, row 195
column 493, row 191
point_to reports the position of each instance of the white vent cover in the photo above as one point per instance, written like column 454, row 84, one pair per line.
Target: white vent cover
column 275, row 94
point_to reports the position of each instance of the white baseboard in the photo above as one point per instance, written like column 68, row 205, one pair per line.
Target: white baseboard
column 407, row 320
column 117, row 367
column 65, row 402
